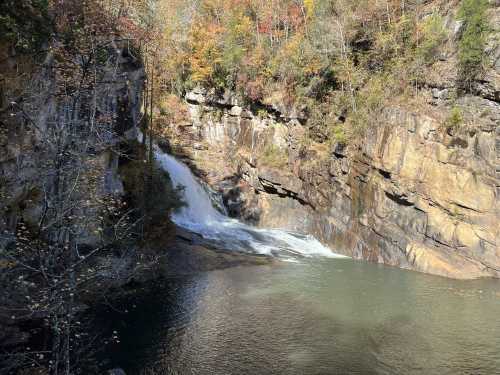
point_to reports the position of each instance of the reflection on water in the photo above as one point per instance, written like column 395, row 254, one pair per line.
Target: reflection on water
column 320, row 316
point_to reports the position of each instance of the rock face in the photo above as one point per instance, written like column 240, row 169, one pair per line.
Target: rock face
column 411, row 194
column 27, row 148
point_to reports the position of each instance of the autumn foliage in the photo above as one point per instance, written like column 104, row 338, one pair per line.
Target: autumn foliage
column 319, row 55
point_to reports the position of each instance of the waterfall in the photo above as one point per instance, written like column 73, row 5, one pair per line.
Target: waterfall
column 200, row 216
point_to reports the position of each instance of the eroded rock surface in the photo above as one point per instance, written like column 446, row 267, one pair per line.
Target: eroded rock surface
column 410, row 194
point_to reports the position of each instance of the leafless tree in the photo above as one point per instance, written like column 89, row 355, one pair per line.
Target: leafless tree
column 71, row 111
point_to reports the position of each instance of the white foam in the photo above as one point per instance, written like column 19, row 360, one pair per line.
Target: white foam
column 200, row 216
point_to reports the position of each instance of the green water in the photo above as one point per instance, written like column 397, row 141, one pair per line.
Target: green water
column 322, row 316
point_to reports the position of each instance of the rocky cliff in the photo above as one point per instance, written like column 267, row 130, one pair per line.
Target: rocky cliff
column 59, row 175
column 412, row 193
column 40, row 125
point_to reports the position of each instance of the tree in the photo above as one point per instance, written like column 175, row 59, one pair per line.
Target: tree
column 471, row 55
column 309, row 5
column 68, row 108
column 206, row 58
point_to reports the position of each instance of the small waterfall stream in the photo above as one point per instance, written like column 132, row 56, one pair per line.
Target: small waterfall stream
column 200, row 216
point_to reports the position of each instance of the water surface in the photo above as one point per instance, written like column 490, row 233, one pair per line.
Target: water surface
column 317, row 316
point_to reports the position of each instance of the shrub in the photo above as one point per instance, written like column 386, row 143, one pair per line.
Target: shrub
column 339, row 135
column 273, row 156
column 455, row 120
column 261, row 113
column 395, row 40
column 369, row 102
column 433, row 36
column 472, row 42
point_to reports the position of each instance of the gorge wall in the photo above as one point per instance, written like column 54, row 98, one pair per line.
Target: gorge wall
column 410, row 194
column 97, row 120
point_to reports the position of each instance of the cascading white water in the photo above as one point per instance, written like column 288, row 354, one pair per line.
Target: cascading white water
column 200, row 216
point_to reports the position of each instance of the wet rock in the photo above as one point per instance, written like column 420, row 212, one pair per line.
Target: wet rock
column 165, row 146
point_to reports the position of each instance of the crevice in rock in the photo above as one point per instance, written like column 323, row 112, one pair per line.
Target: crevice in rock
column 466, row 207
column 271, row 188
column 398, row 199
column 384, row 174
column 436, row 241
